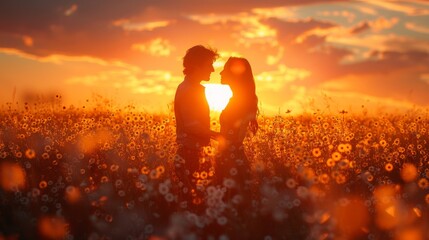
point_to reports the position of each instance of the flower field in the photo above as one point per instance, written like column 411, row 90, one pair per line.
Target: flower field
column 76, row 173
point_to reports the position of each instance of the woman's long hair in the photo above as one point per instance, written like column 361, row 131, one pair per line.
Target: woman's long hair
column 243, row 84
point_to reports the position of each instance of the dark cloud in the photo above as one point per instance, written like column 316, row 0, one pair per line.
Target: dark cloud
column 390, row 74
column 18, row 17
column 363, row 26
column 90, row 31
column 387, row 61
column 385, row 74
column 223, row 6
column 311, row 52
column 289, row 30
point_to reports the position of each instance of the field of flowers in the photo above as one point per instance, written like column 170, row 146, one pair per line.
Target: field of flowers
column 104, row 173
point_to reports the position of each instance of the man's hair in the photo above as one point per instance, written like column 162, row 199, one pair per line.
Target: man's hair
column 195, row 56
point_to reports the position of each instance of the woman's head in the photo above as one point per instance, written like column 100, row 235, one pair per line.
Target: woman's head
column 237, row 73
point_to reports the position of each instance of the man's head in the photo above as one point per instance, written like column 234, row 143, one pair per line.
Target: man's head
column 198, row 62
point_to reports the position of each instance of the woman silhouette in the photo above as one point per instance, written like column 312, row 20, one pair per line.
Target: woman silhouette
column 239, row 116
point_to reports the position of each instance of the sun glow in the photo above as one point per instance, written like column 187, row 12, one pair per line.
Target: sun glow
column 217, row 96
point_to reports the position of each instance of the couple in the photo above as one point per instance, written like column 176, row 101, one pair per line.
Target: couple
column 193, row 118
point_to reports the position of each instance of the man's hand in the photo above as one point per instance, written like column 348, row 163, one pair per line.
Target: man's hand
column 215, row 135
column 253, row 126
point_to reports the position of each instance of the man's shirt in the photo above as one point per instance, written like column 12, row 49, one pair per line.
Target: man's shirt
column 192, row 115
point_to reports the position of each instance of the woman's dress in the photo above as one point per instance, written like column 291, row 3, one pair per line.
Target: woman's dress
column 232, row 163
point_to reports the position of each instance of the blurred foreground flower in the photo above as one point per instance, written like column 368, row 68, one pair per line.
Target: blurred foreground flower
column 12, row 176
column 52, row 227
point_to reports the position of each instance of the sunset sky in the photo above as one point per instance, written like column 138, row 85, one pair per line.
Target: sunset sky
column 305, row 54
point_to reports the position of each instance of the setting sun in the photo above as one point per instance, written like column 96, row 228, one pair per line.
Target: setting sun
column 217, row 96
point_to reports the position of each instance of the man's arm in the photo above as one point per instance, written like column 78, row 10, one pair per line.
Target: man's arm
column 192, row 112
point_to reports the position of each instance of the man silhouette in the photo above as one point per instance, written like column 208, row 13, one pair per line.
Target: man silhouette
column 192, row 113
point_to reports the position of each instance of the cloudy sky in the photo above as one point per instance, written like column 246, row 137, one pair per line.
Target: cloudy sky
column 305, row 54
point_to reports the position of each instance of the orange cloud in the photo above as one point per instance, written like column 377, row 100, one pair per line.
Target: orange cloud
column 70, row 11
column 283, row 75
column 276, row 12
column 345, row 14
column 156, row 47
column 417, row 28
column 376, row 26
column 298, row 30
column 400, row 7
column 155, row 81
column 28, row 41
column 382, row 23
column 62, row 59
column 141, row 26
column 381, row 42
column 211, row 18
column 402, row 85
column 425, row 77
column 249, row 28
column 366, row 10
